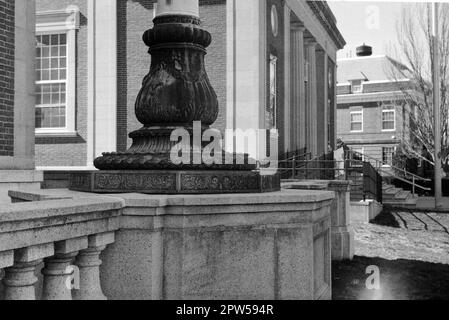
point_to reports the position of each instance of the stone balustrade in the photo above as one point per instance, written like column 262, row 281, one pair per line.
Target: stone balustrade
column 61, row 238
column 183, row 247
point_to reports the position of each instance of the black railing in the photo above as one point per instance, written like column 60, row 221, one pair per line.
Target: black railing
column 372, row 183
column 366, row 180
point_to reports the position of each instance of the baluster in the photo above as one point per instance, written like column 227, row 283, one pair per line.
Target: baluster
column 88, row 262
column 20, row 279
column 59, row 272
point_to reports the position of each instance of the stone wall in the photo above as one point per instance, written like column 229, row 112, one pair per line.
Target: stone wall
column 7, row 46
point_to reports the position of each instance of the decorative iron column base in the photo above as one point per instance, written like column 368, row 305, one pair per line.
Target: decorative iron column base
column 174, row 182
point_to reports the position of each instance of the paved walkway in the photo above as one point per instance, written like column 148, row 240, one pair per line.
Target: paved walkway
column 411, row 251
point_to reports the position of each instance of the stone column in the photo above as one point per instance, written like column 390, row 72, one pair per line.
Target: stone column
column 322, row 100
column 20, row 279
column 342, row 232
column 312, row 105
column 298, row 116
column 88, row 262
column 59, row 272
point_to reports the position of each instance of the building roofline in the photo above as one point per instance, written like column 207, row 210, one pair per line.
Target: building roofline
column 327, row 19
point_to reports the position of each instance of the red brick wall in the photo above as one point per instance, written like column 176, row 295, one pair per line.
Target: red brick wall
column 134, row 17
column 60, row 151
column 372, row 138
column 7, row 77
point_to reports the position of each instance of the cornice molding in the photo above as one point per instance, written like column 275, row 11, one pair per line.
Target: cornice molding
column 68, row 19
column 328, row 21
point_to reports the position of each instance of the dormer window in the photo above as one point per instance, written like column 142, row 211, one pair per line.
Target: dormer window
column 357, row 86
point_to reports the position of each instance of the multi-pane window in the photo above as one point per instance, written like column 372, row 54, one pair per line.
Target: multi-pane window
column 388, row 118
column 272, row 112
column 357, row 86
column 356, row 121
column 51, row 80
column 387, row 155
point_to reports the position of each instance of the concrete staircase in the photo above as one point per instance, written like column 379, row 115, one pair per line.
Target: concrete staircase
column 397, row 197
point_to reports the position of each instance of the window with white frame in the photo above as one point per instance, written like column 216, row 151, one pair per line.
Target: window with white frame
column 55, row 71
column 356, row 121
column 387, row 155
column 272, row 112
column 51, row 81
column 357, row 86
column 388, row 118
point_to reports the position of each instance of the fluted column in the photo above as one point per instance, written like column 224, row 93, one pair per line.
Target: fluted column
column 322, row 100
column 20, row 279
column 312, row 103
column 59, row 271
column 88, row 262
column 298, row 118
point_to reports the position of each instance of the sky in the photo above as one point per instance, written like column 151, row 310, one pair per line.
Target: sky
column 373, row 23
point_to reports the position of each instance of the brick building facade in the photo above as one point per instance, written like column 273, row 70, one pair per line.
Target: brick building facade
column 7, row 77
column 265, row 56
column 372, row 115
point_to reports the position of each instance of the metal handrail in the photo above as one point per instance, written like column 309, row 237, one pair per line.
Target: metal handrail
column 414, row 176
column 296, row 157
column 412, row 183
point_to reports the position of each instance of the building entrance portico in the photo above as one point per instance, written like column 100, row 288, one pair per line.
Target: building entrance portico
column 310, row 62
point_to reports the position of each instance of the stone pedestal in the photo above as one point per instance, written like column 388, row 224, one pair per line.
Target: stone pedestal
column 342, row 232
column 203, row 247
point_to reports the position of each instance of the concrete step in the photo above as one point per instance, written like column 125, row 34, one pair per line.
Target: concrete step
column 392, row 193
column 408, row 204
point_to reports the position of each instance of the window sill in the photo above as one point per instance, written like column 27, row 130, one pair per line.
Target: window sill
column 56, row 134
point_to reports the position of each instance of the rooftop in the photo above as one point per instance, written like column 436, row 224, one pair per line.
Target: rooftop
column 373, row 68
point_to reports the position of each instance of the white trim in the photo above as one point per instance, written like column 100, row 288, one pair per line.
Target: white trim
column 351, row 122
column 42, row 133
column 369, row 94
column 62, row 22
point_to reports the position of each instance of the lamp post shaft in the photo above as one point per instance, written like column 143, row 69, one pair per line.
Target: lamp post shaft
column 436, row 104
column 177, row 7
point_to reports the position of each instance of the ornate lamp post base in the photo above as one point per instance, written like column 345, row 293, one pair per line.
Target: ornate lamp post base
column 175, row 182
column 175, row 94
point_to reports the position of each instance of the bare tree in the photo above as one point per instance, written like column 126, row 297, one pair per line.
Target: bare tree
column 415, row 49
